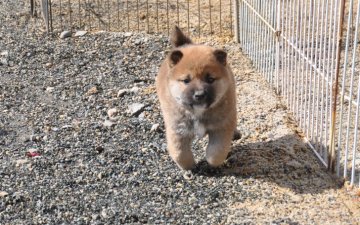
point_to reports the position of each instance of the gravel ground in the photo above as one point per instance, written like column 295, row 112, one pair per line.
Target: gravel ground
column 82, row 142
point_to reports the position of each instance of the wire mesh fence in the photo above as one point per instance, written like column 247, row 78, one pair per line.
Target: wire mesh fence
column 309, row 51
column 198, row 17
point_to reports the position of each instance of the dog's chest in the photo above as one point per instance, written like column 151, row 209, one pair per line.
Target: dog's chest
column 191, row 128
column 199, row 129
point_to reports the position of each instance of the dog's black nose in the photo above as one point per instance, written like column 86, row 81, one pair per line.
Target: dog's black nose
column 199, row 95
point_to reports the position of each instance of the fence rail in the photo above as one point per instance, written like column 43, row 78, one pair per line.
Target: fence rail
column 198, row 17
column 303, row 49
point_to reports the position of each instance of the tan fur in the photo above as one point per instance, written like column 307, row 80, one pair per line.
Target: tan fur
column 182, row 122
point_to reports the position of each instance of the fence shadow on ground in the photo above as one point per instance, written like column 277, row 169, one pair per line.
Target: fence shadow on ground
column 285, row 161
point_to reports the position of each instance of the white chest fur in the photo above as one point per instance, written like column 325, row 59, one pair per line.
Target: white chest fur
column 199, row 129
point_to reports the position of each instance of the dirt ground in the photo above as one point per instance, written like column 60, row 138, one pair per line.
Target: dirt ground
column 64, row 160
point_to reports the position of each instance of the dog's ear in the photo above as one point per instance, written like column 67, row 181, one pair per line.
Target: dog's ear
column 221, row 56
column 178, row 38
column 174, row 57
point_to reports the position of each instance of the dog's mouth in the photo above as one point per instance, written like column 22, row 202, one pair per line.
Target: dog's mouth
column 199, row 105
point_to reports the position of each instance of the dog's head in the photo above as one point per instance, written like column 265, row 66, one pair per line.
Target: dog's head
column 198, row 75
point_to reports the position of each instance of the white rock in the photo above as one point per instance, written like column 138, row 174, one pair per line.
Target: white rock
column 4, row 53
column 108, row 123
column 135, row 90
column 155, row 127
column 112, row 112
column 20, row 162
column 80, row 33
column 3, row 194
column 65, row 34
column 49, row 89
column 31, row 150
column 122, row 92
column 135, row 108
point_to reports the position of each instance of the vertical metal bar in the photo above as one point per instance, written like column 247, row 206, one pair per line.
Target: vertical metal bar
column 98, row 11
column 264, row 7
column 220, row 25
column 298, row 56
column 236, row 21
column 309, row 131
column 273, row 43
column 271, row 13
column 60, row 14
column 288, row 56
column 243, row 24
column 188, row 16
column 69, row 10
column 32, row 8
column 118, row 14
column 231, row 18
column 147, row 16
column 252, row 34
column 358, row 95
column 277, row 46
column 264, row 48
column 329, row 75
column 283, row 49
column 349, row 22
column 261, row 44
column 177, row 11
column 79, row 12
column 128, row 15
column 291, row 58
column 199, row 16
column 108, row 13
column 254, row 22
column 157, row 16
column 50, row 16
column 323, row 23
column 303, row 68
column 316, row 74
column 210, row 17
column 324, row 82
column 87, row 12
column 167, row 17
column 138, row 16
column 335, row 87
column 356, row 126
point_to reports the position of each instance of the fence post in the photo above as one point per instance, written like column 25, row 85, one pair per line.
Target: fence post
column 335, row 88
column 277, row 46
column 32, row 8
column 45, row 13
column 236, row 21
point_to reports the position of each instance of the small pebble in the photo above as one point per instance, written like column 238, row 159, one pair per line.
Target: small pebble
column 80, row 33
column 122, row 92
column 3, row 194
column 92, row 91
column 108, row 123
column 65, row 34
column 112, row 112
column 154, row 127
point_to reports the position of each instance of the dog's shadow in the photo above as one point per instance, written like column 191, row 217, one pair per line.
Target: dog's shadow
column 285, row 161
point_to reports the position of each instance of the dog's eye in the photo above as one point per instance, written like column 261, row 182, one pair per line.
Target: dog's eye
column 186, row 81
column 209, row 79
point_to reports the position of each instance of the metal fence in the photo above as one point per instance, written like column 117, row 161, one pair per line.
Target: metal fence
column 309, row 51
column 198, row 17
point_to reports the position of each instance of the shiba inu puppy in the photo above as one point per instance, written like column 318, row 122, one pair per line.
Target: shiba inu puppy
column 196, row 89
